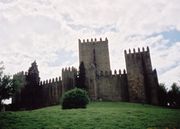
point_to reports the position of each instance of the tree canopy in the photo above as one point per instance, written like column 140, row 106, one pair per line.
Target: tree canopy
column 170, row 97
column 81, row 79
column 8, row 85
column 33, row 75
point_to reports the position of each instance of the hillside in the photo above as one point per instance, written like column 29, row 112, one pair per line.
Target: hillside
column 98, row 115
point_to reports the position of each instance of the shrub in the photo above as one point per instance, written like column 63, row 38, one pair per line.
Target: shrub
column 75, row 98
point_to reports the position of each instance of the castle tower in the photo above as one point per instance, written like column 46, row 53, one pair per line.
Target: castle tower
column 95, row 56
column 68, row 78
column 142, row 80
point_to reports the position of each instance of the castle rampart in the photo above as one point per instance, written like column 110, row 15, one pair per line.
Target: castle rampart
column 112, row 86
column 95, row 54
column 138, row 83
column 139, row 71
column 68, row 78
column 52, row 90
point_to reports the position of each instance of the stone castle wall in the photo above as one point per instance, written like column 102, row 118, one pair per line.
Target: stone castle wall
column 68, row 78
column 94, row 54
column 141, row 78
column 138, row 84
column 105, row 85
column 49, row 93
column 112, row 87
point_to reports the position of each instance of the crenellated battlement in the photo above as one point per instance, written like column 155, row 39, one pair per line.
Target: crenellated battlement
column 114, row 73
column 68, row 78
column 93, row 40
column 50, row 81
column 69, row 69
column 138, row 56
column 69, row 72
column 138, row 83
column 136, row 59
column 21, row 73
column 143, row 50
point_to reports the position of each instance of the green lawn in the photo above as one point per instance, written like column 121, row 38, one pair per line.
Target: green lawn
column 98, row 115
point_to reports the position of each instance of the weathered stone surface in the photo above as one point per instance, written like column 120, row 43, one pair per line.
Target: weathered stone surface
column 142, row 81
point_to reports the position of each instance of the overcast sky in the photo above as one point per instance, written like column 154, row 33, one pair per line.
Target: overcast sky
column 48, row 31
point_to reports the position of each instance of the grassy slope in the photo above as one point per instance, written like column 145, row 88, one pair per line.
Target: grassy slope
column 99, row 115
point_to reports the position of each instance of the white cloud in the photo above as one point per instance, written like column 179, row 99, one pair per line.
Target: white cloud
column 42, row 30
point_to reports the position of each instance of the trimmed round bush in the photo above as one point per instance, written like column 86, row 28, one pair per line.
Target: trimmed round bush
column 75, row 98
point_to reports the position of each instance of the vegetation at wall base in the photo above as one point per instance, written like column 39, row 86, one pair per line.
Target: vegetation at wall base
column 171, row 97
column 75, row 98
column 97, row 115
column 8, row 86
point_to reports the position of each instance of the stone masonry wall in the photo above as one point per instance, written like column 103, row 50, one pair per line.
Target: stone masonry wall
column 112, row 86
column 68, row 78
column 95, row 54
column 135, row 76
column 141, row 79
column 51, row 91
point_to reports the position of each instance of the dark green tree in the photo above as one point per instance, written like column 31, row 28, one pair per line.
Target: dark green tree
column 174, row 96
column 33, row 75
column 81, row 79
column 19, row 82
column 162, row 94
column 8, row 86
column 33, row 91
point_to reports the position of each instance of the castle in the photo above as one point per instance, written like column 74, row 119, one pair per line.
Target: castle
column 138, row 84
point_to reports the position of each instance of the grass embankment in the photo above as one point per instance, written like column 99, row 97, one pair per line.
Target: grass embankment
column 98, row 115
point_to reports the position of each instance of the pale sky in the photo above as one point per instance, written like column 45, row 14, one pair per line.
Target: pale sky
column 48, row 31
